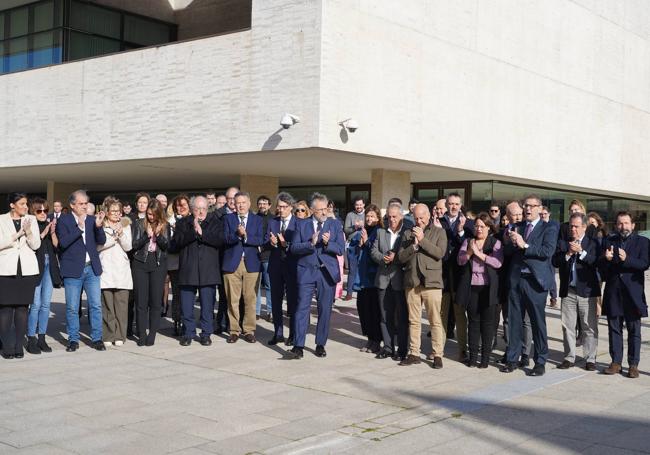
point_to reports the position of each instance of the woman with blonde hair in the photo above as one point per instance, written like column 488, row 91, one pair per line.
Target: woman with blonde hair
column 301, row 210
column 116, row 280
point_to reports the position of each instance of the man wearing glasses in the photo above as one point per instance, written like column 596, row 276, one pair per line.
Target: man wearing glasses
column 532, row 245
column 79, row 235
column 495, row 214
column 317, row 242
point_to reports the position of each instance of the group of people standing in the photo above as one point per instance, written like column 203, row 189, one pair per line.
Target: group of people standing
column 464, row 271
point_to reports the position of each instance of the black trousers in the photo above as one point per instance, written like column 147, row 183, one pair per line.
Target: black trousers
column 480, row 322
column 394, row 322
column 149, row 286
column 369, row 313
column 13, row 327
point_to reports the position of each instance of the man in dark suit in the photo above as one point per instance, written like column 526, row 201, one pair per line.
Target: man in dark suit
column 579, row 289
column 243, row 237
column 458, row 228
column 389, row 280
column 282, row 267
column 198, row 238
column 623, row 263
column 57, row 206
column 317, row 243
column 531, row 276
column 79, row 234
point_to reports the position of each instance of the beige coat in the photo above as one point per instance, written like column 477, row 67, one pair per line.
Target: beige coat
column 115, row 263
column 23, row 248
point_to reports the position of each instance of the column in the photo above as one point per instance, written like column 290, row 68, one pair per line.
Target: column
column 386, row 184
column 258, row 185
column 59, row 191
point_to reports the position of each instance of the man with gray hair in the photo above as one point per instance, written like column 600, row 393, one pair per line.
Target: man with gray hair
column 79, row 235
column 317, row 242
column 198, row 238
column 576, row 260
column 282, row 266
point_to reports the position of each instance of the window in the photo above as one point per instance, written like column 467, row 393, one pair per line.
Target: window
column 44, row 16
column 18, row 22
column 95, row 20
column 144, row 32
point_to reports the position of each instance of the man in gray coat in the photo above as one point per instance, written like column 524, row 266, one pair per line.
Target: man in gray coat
column 390, row 283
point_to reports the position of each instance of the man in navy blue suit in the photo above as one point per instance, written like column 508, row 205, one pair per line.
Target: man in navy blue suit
column 623, row 263
column 317, row 242
column 282, row 267
column 531, row 275
column 79, row 234
column 243, row 237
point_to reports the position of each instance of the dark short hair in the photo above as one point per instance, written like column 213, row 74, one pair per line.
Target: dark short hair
column 581, row 216
column 485, row 218
column 37, row 202
column 394, row 200
column 532, row 196
column 358, row 198
column 285, row 197
column 210, row 193
column 455, row 194
column 412, row 201
column 12, row 198
column 624, row 213
column 142, row 194
column 263, row 198
column 74, row 194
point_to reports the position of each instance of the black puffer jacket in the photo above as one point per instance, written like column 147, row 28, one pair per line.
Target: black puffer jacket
column 141, row 243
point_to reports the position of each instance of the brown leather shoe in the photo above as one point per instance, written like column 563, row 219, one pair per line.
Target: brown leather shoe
column 249, row 338
column 233, row 338
column 437, row 363
column 633, row 372
column 590, row 366
column 613, row 368
column 565, row 365
column 410, row 360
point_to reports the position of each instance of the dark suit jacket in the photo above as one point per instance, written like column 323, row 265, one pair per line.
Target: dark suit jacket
column 72, row 249
column 537, row 257
column 450, row 267
column 235, row 247
column 587, row 283
column 198, row 255
column 624, row 288
column 280, row 257
column 426, row 261
column 312, row 259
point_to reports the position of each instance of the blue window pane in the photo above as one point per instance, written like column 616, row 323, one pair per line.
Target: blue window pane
column 47, row 49
column 18, row 58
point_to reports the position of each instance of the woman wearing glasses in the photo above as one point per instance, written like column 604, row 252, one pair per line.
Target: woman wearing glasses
column 19, row 273
column 116, row 280
column 48, row 264
column 301, row 210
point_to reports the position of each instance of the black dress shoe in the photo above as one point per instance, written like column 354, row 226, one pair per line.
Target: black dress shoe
column 295, row 353
column 565, row 365
column 275, row 340
column 233, row 338
column 538, row 370
column 7, row 356
column 509, row 367
column 289, row 341
column 483, row 364
column 205, row 341
column 384, row 354
column 185, row 341
column 320, row 351
column 503, row 359
column 524, row 362
column 98, row 345
column 19, row 355
column 141, row 342
column 590, row 366
column 72, row 346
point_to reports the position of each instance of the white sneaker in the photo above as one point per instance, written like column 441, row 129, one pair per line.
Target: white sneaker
column 108, row 344
column 119, row 343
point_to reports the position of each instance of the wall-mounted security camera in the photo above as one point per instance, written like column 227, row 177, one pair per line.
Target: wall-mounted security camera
column 349, row 124
column 288, row 120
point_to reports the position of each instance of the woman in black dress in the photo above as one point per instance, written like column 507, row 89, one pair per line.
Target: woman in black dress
column 19, row 273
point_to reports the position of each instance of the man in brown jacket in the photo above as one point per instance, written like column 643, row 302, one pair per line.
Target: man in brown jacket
column 421, row 252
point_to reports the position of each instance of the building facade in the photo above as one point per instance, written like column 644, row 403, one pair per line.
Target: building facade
column 492, row 99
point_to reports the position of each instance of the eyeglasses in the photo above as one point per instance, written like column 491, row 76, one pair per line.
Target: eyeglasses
column 494, row 210
column 301, row 210
column 531, row 206
column 39, row 211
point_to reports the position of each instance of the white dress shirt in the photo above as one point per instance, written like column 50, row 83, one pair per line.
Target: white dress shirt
column 83, row 234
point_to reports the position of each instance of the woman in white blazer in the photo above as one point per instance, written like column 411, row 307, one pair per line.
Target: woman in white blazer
column 116, row 279
column 19, row 273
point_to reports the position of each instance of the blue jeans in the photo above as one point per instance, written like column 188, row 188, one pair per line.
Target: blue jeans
column 265, row 283
column 90, row 283
column 39, row 311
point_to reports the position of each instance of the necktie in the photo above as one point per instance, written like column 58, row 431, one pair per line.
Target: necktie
column 241, row 222
column 319, row 226
column 572, row 265
column 529, row 229
column 284, row 226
